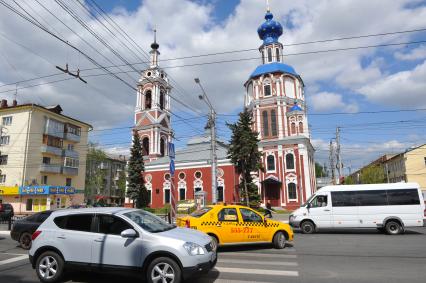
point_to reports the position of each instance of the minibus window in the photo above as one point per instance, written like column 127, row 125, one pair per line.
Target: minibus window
column 309, row 199
column 372, row 198
column 346, row 198
column 403, row 197
column 319, row 201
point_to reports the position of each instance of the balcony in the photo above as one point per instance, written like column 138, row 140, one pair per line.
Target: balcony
column 51, row 149
column 50, row 168
column 70, row 153
column 72, row 137
column 69, row 171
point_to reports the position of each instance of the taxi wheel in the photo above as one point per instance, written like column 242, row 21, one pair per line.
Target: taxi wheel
column 279, row 240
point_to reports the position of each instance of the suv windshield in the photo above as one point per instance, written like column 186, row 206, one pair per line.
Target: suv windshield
column 200, row 212
column 149, row 221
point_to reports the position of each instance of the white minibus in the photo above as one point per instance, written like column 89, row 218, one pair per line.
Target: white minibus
column 388, row 207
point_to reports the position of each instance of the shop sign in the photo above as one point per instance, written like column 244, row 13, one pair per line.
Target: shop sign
column 9, row 191
column 46, row 190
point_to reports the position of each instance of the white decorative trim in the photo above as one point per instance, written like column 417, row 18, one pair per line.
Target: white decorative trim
column 291, row 178
column 167, row 186
column 182, row 185
column 221, row 183
column 289, row 151
column 198, row 184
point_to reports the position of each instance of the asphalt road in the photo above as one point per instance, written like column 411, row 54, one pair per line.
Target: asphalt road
column 343, row 256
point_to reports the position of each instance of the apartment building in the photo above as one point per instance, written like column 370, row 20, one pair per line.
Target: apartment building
column 42, row 157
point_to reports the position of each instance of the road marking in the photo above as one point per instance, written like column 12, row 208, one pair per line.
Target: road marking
column 258, row 255
column 10, row 260
column 257, row 271
column 12, row 254
column 224, row 260
column 219, row 280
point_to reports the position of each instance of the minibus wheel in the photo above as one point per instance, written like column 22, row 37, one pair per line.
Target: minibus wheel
column 307, row 227
column 393, row 227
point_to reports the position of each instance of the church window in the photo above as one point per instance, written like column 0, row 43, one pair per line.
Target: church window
column 167, row 177
column 292, row 192
column 148, row 74
column 300, row 127
column 250, row 90
column 293, row 128
column 289, row 160
column 161, row 99
column 267, row 90
column 219, row 194
column 269, row 55
column 148, row 99
column 182, row 193
column 181, row 176
column 265, row 123
column 162, row 147
column 145, row 146
column 270, row 163
column 277, row 53
column 273, row 123
column 198, row 174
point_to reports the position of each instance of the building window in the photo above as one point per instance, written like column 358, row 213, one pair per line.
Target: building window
column 293, row 128
column 425, row 160
column 277, row 53
column 292, row 192
column 273, row 123
column 7, row 121
column 3, row 178
column 29, row 204
column 300, row 127
column 220, row 194
column 265, row 123
column 161, row 100
column 148, row 99
column 3, row 159
column 289, row 160
column 145, row 146
column 73, row 130
column 198, row 174
column 267, row 90
column 269, row 55
column 68, row 182
column 46, row 160
column 270, row 163
column 149, row 196
column 162, row 147
column 52, row 141
column 44, row 180
column 167, row 196
column 71, row 162
column 181, row 176
column 197, row 189
column 167, row 177
column 182, row 193
column 5, row 140
column 70, row 146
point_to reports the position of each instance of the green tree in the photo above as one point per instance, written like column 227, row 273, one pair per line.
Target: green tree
column 136, row 189
column 372, row 175
column 95, row 176
column 244, row 154
column 320, row 171
column 121, row 183
column 349, row 180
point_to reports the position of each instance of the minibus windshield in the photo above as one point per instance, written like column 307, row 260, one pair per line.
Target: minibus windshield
column 309, row 200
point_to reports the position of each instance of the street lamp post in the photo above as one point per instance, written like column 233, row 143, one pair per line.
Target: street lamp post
column 212, row 125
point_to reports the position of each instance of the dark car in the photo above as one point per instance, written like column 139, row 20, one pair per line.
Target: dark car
column 6, row 211
column 23, row 229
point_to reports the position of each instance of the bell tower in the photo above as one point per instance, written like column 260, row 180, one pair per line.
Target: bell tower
column 152, row 112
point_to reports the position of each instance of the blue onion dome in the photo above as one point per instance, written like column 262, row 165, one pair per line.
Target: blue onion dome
column 270, row 30
column 295, row 107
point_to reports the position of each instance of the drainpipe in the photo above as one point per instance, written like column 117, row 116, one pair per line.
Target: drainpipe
column 24, row 170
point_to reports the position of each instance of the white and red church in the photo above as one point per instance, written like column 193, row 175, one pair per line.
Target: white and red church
column 275, row 96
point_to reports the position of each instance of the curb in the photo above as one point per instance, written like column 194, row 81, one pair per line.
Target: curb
column 5, row 233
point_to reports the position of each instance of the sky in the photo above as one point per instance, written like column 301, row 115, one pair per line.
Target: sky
column 342, row 88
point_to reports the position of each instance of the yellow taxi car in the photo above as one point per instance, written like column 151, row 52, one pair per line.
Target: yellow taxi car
column 237, row 224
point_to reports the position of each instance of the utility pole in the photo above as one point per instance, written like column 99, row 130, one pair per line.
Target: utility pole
column 339, row 158
column 332, row 164
column 212, row 126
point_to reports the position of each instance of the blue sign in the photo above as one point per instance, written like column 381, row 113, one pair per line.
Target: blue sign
column 46, row 190
column 172, row 150
column 172, row 167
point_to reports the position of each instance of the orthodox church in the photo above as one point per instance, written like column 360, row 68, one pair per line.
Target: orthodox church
column 274, row 93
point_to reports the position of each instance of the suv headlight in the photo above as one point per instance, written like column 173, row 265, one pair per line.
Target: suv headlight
column 193, row 248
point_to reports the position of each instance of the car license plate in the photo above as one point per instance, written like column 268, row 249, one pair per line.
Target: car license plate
column 213, row 256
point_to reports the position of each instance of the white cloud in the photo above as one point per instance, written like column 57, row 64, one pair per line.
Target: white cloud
column 414, row 54
column 117, row 151
column 401, row 89
column 328, row 101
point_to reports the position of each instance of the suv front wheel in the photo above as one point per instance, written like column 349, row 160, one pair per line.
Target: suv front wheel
column 163, row 269
column 49, row 267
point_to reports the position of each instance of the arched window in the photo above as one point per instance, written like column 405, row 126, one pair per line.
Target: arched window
column 289, row 160
column 162, row 147
column 293, row 128
column 270, row 163
column 265, row 123
column 145, row 146
column 269, row 55
column 220, row 194
column 161, row 99
column 292, row 192
column 166, row 195
column 148, row 99
column 277, row 53
column 273, row 123
column 300, row 127
column 182, row 193
column 267, row 89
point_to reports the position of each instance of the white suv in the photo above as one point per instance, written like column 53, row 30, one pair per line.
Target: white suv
column 119, row 239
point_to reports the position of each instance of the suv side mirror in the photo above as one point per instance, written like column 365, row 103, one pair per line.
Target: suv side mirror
column 129, row 233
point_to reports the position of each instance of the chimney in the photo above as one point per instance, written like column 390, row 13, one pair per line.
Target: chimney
column 14, row 103
column 3, row 103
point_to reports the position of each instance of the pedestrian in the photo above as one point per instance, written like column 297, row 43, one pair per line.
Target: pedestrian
column 268, row 210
